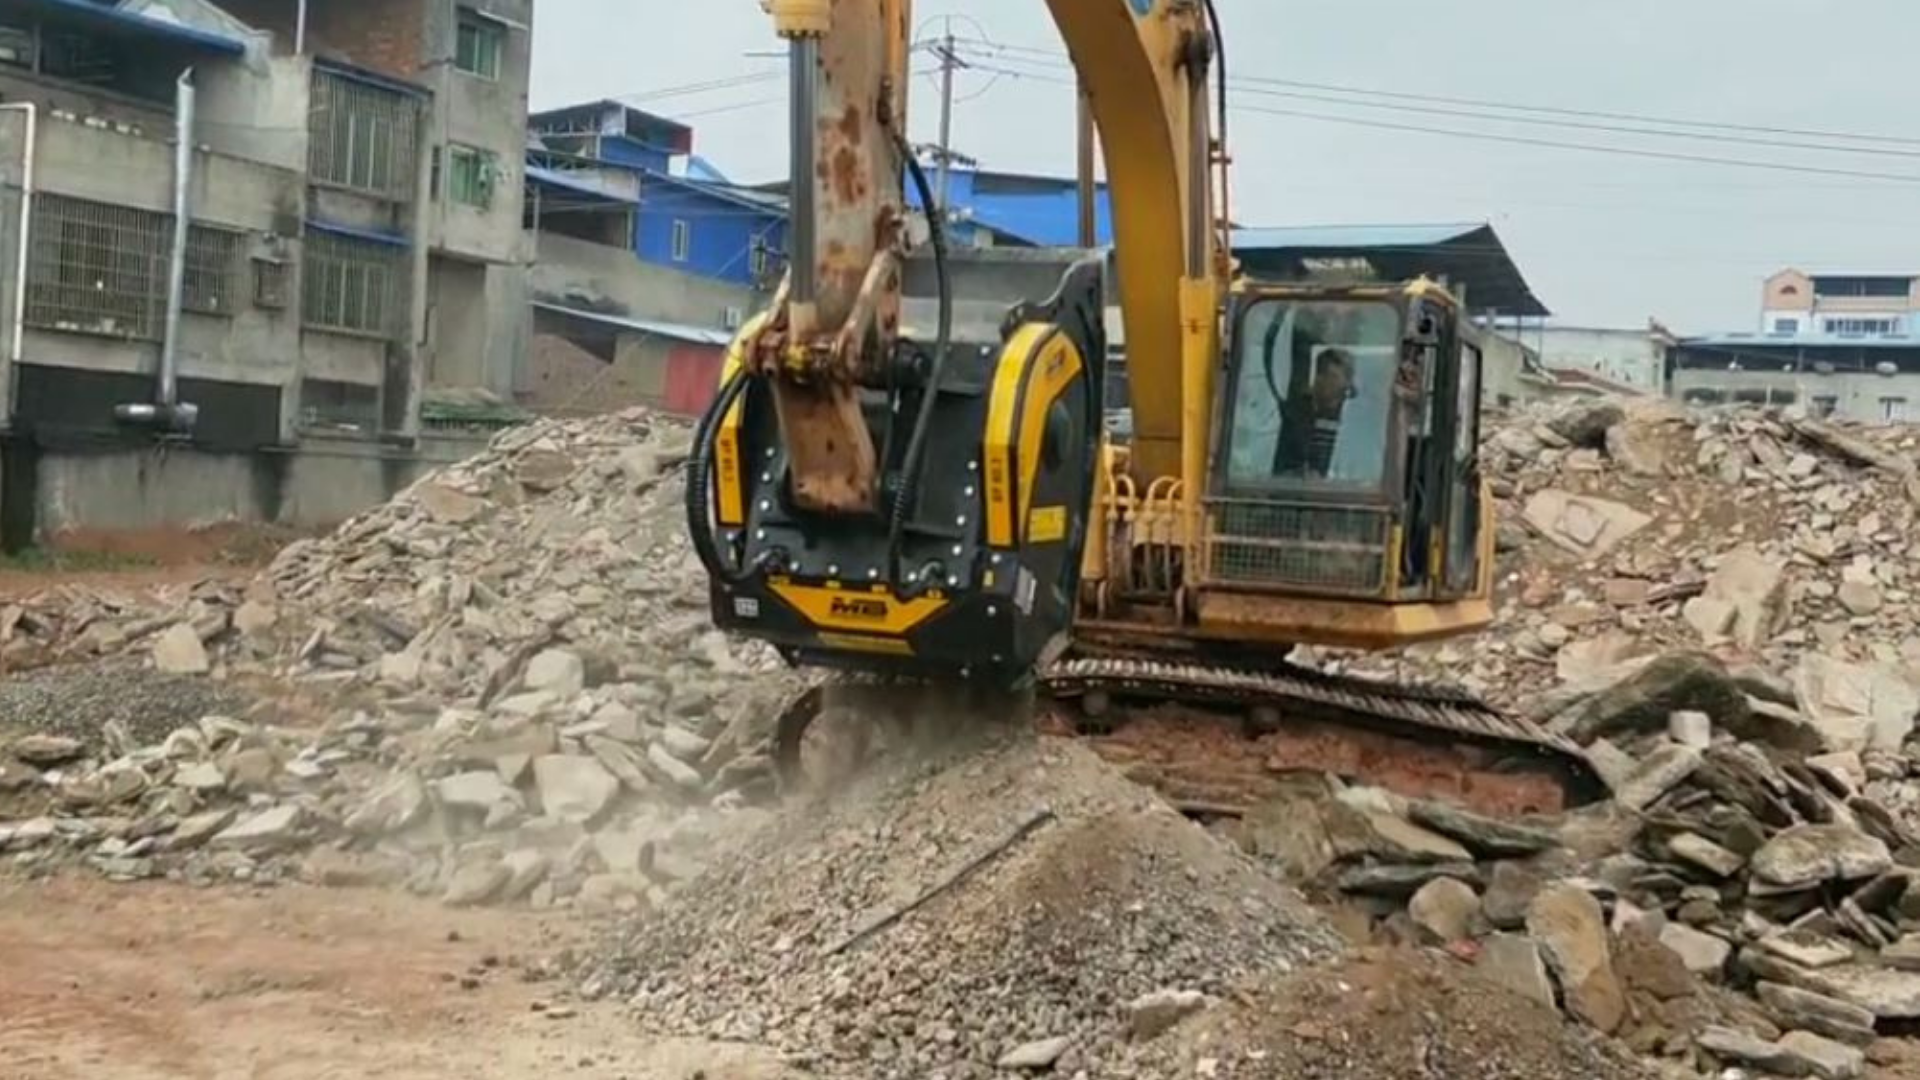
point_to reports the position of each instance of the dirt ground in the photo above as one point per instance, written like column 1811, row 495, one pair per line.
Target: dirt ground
column 143, row 559
column 160, row 981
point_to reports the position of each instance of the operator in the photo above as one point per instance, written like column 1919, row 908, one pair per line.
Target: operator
column 1310, row 427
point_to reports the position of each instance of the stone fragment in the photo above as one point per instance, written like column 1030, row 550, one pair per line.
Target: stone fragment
column 448, row 506
column 267, row 830
column 1856, row 706
column 1035, row 1056
column 1903, row 954
column 1585, row 422
column 251, row 769
column 1830, row 1060
column 1585, row 526
column 1634, row 448
column 254, row 618
column 1658, row 773
column 389, row 808
column 1484, row 835
column 1401, row 879
column 617, row 721
column 1149, row 1015
column 683, row 744
column 1511, row 887
column 1445, row 910
column 1710, row 615
column 1741, row 1048
column 1753, row 586
column 1805, row 949
column 201, row 778
column 683, row 775
column 1818, row 1013
column 198, row 828
column 525, row 871
column 541, row 470
column 46, row 750
column 574, row 788
column 620, row 759
column 1690, row 728
column 1806, row 855
column 475, row 883
column 179, row 651
column 1703, row 953
column 1571, row 929
column 1514, row 962
column 1859, row 597
column 557, row 671
column 480, row 791
column 1705, row 854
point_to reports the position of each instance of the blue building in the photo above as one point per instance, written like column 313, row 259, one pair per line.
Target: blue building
column 694, row 220
column 1004, row 209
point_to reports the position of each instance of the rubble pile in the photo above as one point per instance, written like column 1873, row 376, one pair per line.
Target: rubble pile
column 1011, row 902
column 500, row 686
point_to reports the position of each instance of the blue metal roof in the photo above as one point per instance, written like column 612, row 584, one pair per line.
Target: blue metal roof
column 1350, row 236
column 111, row 18
column 356, row 233
column 577, row 182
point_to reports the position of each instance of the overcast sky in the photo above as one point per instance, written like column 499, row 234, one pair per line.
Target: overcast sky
column 1605, row 239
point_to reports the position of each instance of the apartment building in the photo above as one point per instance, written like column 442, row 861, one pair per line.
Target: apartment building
column 1841, row 305
column 352, row 189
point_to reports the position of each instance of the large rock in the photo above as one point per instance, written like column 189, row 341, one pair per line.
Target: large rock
column 179, row 651
column 1753, row 588
column 1703, row 953
column 1660, row 772
column 1585, row 422
column 475, row 883
column 1706, row 854
column 47, row 750
column 1585, row 526
column 1572, row 931
column 1036, row 1055
column 557, row 671
column 1794, row 1007
column 267, row 830
column 1634, row 448
column 1486, row 836
column 1359, row 830
column 574, row 788
column 393, row 806
column 1643, row 701
column 1830, row 1060
column 1808, row 855
column 482, row 791
column 1511, row 888
column 1740, row 1048
column 1513, row 961
column 1445, row 910
column 447, row 506
column 1884, row 992
column 1856, row 706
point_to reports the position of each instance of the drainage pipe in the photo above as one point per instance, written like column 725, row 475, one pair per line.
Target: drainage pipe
column 18, row 345
column 166, row 410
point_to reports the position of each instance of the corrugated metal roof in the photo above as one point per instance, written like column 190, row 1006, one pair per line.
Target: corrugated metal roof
column 697, row 335
column 1350, row 236
column 109, row 17
column 575, row 182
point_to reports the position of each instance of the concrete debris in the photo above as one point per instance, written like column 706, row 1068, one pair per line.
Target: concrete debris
column 1571, row 928
column 1151, row 1014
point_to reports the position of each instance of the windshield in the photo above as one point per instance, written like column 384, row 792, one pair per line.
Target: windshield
column 1313, row 394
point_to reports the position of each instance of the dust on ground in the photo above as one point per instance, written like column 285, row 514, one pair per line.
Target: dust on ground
column 111, row 982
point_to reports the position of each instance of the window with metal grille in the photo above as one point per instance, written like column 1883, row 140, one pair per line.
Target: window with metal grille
column 470, row 176
column 682, row 240
column 338, row 406
column 16, row 45
column 213, row 271
column 352, row 285
column 364, row 137
column 478, row 44
column 96, row 268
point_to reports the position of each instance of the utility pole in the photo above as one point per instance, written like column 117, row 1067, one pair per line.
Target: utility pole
column 1089, row 214
column 949, row 62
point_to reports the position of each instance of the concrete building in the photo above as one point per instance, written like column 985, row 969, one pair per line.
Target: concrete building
column 1841, row 305
column 354, row 199
column 1875, row 380
column 1632, row 359
column 685, row 216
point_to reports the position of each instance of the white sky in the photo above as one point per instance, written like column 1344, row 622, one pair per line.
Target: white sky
column 1604, row 239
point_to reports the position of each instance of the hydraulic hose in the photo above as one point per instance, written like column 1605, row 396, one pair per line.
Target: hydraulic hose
column 699, row 479
column 908, row 491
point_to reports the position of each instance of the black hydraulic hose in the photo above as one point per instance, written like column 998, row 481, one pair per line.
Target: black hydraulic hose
column 909, row 489
column 1220, row 65
column 699, row 481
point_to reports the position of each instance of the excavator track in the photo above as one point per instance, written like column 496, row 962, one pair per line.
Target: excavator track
column 1236, row 724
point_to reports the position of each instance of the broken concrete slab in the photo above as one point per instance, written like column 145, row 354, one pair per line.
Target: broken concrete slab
column 1588, row 527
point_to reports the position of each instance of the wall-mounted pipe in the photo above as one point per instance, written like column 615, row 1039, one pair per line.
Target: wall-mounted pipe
column 166, row 411
column 18, row 345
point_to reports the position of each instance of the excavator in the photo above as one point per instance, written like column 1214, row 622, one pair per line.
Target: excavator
column 947, row 506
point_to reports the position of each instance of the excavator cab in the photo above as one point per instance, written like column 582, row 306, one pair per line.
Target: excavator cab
column 1346, row 460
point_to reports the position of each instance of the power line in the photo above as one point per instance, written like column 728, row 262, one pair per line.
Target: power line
column 1519, row 140
column 1055, row 56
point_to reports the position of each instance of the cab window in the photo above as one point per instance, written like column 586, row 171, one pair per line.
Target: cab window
column 1312, row 395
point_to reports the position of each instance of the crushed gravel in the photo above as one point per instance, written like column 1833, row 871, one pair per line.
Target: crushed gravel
column 1112, row 895
column 81, row 702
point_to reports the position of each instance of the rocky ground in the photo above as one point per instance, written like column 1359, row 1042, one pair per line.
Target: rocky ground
column 501, row 689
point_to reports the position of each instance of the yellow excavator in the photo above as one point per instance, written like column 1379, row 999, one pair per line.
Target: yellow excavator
column 1302, row 466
